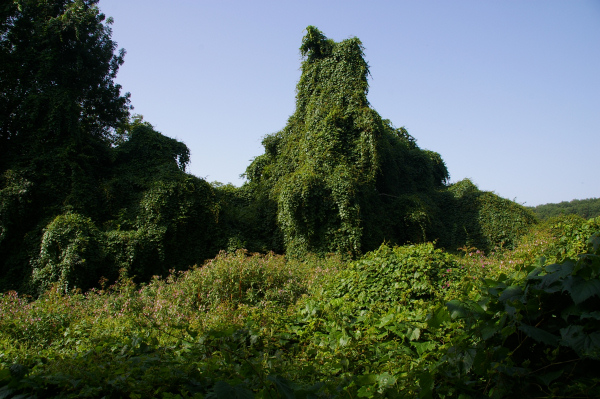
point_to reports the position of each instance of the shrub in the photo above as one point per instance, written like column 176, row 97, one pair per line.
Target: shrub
column 397, row 276
column 71, row 254
column 534, row 334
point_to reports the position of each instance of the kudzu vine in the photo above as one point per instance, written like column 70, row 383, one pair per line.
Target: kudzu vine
column 343, row 178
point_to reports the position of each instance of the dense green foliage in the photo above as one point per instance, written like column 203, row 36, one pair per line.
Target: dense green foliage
column 339, row 178
column 85, row 192
column 59, row 109
column 586, row 208
column 520, row 323
column 342, row 178
column 388, row 277
column 480, row 219
column 90, row 195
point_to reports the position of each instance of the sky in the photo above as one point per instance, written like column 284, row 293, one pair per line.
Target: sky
column 507, row 92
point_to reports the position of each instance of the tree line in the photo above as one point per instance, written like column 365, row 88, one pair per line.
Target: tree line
column 89, row 191
column 586, row 208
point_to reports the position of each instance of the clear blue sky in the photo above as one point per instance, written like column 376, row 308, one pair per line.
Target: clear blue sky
column 508, row 92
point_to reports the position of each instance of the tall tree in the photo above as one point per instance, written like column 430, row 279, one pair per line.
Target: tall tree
column 59, row 110
column 343, row 178
column 59, row 104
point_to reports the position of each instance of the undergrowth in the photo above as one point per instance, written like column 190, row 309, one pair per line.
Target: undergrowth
column 410, row 321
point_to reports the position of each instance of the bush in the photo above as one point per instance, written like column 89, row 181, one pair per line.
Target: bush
column 481, row 219
column 71, row 255
column 534, row 334
column 397, row 276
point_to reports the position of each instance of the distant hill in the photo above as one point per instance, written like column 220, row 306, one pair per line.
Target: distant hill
column 586, row 208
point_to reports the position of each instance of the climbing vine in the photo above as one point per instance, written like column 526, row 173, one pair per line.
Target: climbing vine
column 338, row 168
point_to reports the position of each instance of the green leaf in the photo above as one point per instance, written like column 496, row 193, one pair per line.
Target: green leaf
column 386, row 320
column 366, row 379
column 582, row 289
column 594, row 244
column 468, row 358
column 439, row 317
column 586, row 345
column 459, row 309
column 539, row 335
column 423, row 347
column 511, row 293
column 590, row 315
column 426, row 384
column 385, row 380
column 366, row 391
column 489, row 331
column 413, row 334
column 283, row 386
column 547, row 378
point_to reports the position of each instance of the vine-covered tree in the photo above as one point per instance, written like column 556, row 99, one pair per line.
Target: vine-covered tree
column 85, row 192
column 59, row 110
column 343, row 179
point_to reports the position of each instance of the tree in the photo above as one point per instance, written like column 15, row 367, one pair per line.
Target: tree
column 59, row 110
column 59, row 105
column 343, row 178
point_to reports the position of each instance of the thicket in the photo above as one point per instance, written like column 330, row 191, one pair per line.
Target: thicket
column 342, row 179
column 478, row 219
column 86, row 191
column 100, row 227
column 410, row 321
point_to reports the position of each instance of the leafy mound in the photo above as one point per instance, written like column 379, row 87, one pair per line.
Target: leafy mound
column 396, row 276
column 481, row 219
column 85, row 192
column 534, row 335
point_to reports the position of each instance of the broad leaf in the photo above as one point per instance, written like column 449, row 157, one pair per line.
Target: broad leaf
column 511, row 293
column 586, row 345
column 539, row 335
column 385, row 380
column 283, row 386
column 549, row 377
column 459, row 309
column 582, row 289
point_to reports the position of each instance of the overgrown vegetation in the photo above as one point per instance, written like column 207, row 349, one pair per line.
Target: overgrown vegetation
column 337, row 171
column 407, row 321
column 86, row 191
column 89, row 192
column 346, row 266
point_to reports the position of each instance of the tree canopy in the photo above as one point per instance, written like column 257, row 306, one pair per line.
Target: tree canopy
column 586, row 208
